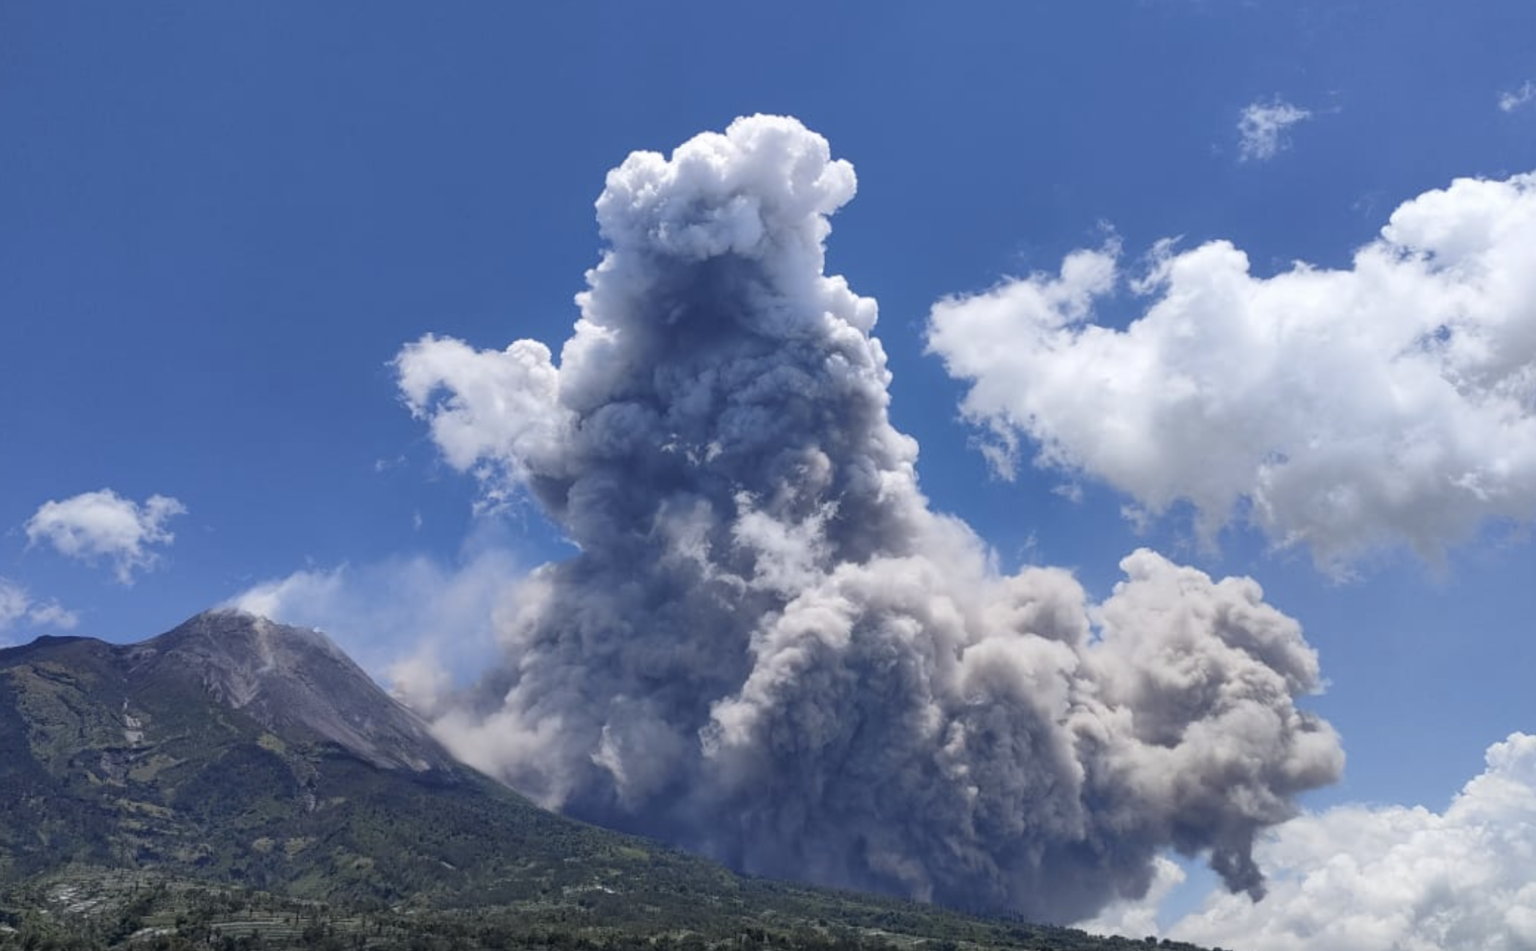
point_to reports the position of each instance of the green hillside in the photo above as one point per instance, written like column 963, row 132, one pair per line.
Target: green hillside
column 143, row 809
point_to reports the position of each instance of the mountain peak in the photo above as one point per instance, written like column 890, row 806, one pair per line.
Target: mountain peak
column 292, row 680
column 250, row 638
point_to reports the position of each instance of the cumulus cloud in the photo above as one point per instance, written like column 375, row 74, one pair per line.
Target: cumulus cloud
column 1390, row 402
column 1363, row 878
column 769, row 648
column 100, row 525
column 1513, row 99
column 17, row 604
column 1261, row 128
column 414, row 623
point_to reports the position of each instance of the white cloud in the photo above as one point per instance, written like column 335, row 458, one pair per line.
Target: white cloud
column 1390, row 402
column 412, row 622
column 1261, row 128
column 1136, row 918
column 13, row 603
column 1513, row 99
column 103, row 524
column 53, row 614
column 17, row 604
column 485, row 405
column 1362, row 878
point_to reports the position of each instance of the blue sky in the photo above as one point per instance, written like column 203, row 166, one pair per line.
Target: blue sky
column 220, row 224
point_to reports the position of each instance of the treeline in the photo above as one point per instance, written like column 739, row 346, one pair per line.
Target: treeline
column 99, row 910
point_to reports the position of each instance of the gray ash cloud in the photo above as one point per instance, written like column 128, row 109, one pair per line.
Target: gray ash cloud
column 770, row 649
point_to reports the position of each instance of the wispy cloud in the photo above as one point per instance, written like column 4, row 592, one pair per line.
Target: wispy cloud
column 413, row 622
column 1261, row 128
column 17, row 604
column 100, row 525
column 1524, row 95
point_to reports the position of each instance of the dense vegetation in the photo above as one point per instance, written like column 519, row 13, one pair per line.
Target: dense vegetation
column 88, row 908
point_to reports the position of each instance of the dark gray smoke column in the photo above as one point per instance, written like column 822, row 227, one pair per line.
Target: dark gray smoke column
column 771, row 650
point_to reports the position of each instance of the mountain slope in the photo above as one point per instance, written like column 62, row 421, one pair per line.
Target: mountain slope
column 244, row 750
column 293, row 681
column 233, row 750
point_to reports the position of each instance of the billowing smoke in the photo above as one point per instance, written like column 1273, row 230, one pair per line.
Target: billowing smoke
column 771, row 650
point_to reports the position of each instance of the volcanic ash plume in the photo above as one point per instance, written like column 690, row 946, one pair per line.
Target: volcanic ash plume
column 771, row 650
